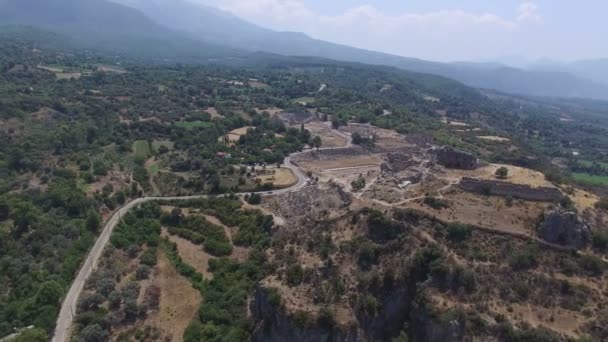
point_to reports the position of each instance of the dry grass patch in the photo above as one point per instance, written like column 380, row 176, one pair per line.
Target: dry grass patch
column 179, row 302
column 282, row 177
column 517, row 175
column 334, row 165
column 273, row 111
column 192, row 254
column 212, row 111
column 489, row 212
column 235, row 134
column 583, row 199
column 493, row 138
column 68, row 75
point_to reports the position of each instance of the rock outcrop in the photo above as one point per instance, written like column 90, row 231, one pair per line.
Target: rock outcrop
column 520, row 191
column 565, row 228
column 455, row 159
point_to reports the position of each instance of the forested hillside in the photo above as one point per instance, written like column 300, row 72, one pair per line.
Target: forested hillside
column 84, row 132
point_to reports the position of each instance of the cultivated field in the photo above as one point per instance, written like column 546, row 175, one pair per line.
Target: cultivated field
column 141, row 149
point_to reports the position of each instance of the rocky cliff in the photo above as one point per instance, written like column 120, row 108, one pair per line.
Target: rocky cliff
column 273, row 324
column 565, row 228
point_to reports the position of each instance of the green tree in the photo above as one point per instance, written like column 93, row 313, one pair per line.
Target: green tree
column 49, row 293
column 93, row 221
column 32, row 335
column 254, row 199
column 502, row 172
column 317, row 142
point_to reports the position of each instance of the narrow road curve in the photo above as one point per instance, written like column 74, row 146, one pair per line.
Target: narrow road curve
column 68, row 307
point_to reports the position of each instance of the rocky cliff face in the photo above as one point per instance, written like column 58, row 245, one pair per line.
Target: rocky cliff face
column 273, row 324
column 455, row 159
column 565, row 228
column 431, row 330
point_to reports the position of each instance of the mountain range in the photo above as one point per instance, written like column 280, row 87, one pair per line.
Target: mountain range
column 181, row 31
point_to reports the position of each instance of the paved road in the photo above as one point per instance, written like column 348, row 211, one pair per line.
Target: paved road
column 68, row 307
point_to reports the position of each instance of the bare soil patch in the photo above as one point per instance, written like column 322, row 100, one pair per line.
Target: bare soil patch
column 111, row 68
column 257, row 84
column 212, row 111
column 493, row 138
column 560, row 320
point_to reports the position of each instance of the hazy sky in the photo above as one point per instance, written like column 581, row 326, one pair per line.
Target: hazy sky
column 445, row 30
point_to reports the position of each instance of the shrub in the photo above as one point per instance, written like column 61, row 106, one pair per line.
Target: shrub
column 148, row 257
column 295, row 275
column 274, row 297
column 458, row 232
column 358, row 184
column 592, row 265
column 436, row 203
column 600, row 240
column 94, row 333
column 367, row 254
column 524, row 259
column 368, row 303
column 142, row 272
column 217, row 247
column 254, row 199
column 382, row 228
column 602, row 204
column 326, row 318
column 301, row 318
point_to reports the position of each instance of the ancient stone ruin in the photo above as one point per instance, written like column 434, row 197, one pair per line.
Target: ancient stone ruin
column 565, row 228
column 455, row 159
column 520, row 191
column 398, row 162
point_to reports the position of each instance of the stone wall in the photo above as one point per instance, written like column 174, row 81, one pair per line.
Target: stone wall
column 497, row 188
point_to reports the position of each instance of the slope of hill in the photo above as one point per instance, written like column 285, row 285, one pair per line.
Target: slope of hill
column 181, row 31
column 593, row 69
column 219, row 27
column 109, row 26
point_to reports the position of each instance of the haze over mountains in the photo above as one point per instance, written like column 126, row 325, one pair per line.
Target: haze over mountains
column 178, row 30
